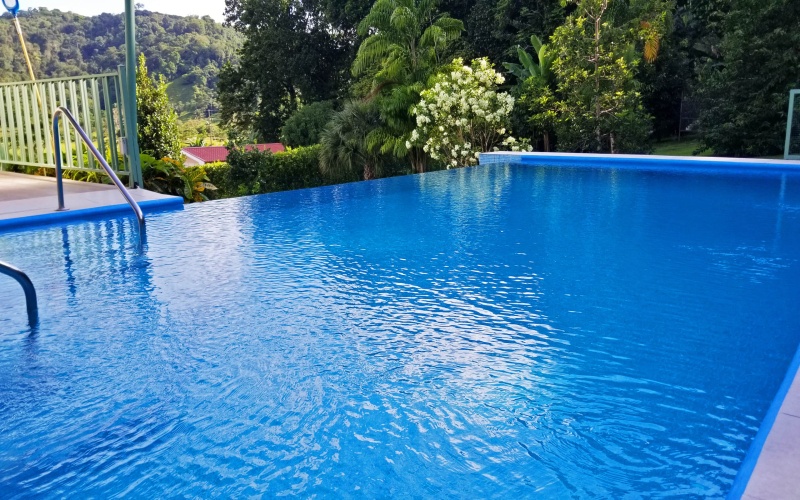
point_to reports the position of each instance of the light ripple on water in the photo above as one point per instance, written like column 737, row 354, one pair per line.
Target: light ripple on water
column 477, row 333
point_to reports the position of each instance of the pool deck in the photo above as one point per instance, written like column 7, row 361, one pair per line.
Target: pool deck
column 775, row 475
column 769, row 470
column 31, row 199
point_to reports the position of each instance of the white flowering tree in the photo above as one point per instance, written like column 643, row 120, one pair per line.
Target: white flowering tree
column 461, row 114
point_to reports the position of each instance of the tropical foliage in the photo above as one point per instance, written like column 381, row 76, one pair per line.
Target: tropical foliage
column 599, row 107
column 344, row 149
column 171, row 177
column 250, row 171
column 541, row 68
column 294, row 51
column 405, row 44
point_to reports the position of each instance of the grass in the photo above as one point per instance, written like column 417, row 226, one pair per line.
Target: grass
column 685, row 147
column 180, row 93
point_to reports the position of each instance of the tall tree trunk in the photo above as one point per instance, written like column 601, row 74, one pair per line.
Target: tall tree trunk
column 546, row 141
column 369, row 172
column 418, row 160
column 597, row 82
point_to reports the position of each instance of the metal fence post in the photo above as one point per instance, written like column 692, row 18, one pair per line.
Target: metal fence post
column 129, row 84
column 787, row 154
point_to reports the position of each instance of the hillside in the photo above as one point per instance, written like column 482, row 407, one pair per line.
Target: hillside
column 186, row 50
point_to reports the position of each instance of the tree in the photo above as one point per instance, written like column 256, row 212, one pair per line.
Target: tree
column 536, row 105
column 305, row 126
column 495, row 27
column 598, row 105
column 534, row 91
column 157, row 121
column 344, row 151
column 461, row 114
column 292, row 54
column 745, row 99
column 404, row 44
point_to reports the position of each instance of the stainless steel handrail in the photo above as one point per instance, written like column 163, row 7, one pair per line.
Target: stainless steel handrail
column 61, row 110
column 27, row 287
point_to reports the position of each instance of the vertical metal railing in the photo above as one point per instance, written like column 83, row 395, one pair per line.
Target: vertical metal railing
column 27, row 287
column 25, row 109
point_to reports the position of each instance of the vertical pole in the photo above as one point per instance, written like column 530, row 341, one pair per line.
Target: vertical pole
column 25, row 53
column 789, row 118
column 130, row 89
column 57, row 150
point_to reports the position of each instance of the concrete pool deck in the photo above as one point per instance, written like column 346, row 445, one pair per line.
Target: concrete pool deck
column 31, row 199
column 769, row 470
column 775, row 475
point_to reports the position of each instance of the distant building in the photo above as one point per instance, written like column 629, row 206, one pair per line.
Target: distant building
column 201, row 155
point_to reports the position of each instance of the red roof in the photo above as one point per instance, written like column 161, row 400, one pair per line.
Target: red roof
column 211, row 154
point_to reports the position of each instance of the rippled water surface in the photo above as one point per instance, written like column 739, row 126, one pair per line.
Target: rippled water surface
column 487, row 332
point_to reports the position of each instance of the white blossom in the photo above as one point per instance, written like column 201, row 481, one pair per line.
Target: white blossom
column 458, row 112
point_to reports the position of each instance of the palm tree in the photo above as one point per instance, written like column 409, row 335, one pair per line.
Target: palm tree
column 405, row 40
column 344, row 142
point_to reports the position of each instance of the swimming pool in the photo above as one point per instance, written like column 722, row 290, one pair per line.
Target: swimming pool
column 483, row 332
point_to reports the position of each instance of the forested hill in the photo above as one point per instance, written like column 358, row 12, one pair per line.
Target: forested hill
column 186, row 50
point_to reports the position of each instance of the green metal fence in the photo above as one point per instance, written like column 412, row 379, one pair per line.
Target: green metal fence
column 791, row 150
column 26, row 109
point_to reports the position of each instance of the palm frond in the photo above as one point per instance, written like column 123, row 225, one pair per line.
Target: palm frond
column 371, row 51
column 452, row 28
column 403, row 19
column 651, row 46
column 379, row 17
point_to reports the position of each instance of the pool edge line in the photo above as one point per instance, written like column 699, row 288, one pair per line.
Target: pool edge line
column 30, row 221
column 750, row 460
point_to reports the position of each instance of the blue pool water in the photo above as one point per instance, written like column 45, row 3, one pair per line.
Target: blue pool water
column 497, row 331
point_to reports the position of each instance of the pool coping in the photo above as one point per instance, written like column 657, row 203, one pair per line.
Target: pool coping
column 147, row 206
column 692, row 163
column 656, row 162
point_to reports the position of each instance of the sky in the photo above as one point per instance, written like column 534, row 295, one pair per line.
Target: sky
column 213, row 8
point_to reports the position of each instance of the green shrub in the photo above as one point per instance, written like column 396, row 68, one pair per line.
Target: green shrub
column 217, row 174
column 304, row 127
column 169, row 176
column 254, row 172
column 158, row 122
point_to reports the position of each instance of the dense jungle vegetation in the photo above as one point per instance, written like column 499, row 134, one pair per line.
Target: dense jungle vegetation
column 585, row 75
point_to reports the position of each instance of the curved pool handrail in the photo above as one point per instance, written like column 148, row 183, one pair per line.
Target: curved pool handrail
column 27, row 287
column 61, row 110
